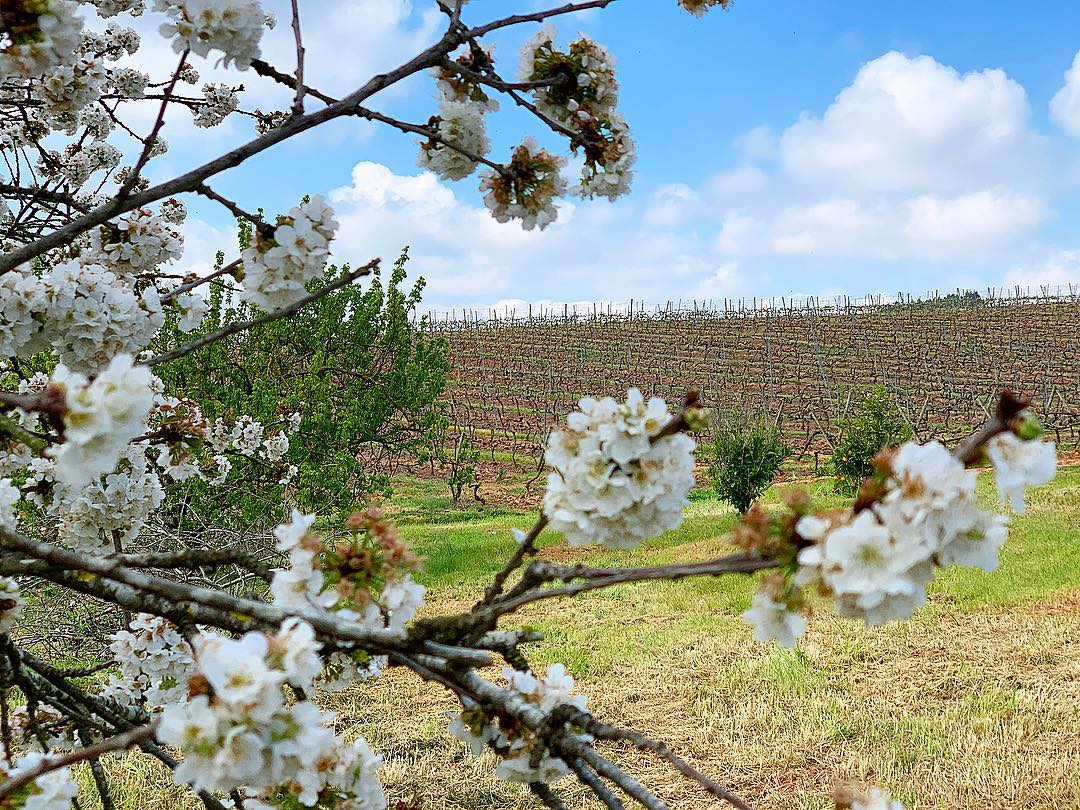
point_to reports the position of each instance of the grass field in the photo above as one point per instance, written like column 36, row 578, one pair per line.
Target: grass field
column 975, row 703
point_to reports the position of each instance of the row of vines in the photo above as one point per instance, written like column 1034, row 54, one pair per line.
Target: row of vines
column 941, row 361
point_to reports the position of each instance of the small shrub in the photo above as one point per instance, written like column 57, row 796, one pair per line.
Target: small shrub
column 876, row 424
column 746, row 455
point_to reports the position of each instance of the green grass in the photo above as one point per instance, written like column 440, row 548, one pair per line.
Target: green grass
column 465, row 549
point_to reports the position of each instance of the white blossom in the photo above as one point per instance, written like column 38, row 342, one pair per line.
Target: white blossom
column 92, row 314
column 129, row 82
column 233, row 27
column 53, row 790
column 615, row 482
column 101, row 417
column 92, row 516
column 773, row 620
column 516, row 746
column 276, row 270
column 220, row 100
column 139, row 242
column 155, row 660
column 54, row 42
column 460, row 123
column 1019, row 464
column 11, row 601
column 528, row 189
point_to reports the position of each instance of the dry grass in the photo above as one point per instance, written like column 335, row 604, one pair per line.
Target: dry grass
column 974, row 703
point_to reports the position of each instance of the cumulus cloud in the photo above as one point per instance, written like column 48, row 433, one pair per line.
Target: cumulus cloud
column 1059, row 269
column 595, row 251
column 1065, row 105
column 913, row 124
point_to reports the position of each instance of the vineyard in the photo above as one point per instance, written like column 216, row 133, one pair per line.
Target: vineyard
column 941, row 360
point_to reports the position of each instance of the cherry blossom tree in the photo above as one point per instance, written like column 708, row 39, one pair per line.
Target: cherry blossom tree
column 219, row 686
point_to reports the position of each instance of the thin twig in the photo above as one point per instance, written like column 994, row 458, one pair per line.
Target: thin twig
column 117, row 743
column 242, row 326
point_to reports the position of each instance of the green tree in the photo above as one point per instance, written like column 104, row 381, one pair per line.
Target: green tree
column 746, row 455
column 358, row 368
column 876, row 424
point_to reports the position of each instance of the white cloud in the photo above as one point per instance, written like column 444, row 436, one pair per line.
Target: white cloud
column 1065, row 105
column 1059, row 269
column 913, row 124
column 596, row 251
column 978, row 220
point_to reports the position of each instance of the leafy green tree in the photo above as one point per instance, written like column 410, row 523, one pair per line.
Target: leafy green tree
column 355, row 364
column 746, row 455
column 876, row 424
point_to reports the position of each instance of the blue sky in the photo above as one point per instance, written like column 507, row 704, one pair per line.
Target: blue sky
column 784, row 148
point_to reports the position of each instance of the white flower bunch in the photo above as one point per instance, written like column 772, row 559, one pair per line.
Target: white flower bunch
column 100, row 418
column 233, row 27
column 129, row 82
column 139, row 242
column 462, row 124
column 173, row 211
column 95, row 314
column 520, row 761
column 11, row 600
column 304, row 584
column 877, row 562
column 1018, row 464
column 589, row 71
column 237, row 731
column 699, row 7
column 110, row 8
column 51, row 37
column 23, row 301
column 615, row 483
column 219, row 101
column 118, row 504
column 529, row 188
column 609, row 158
column 53, row 790
column 156, row 662
column 276, row 269
column 96, row 121
column 78, row 164
column 57, row 734
column 68, row 88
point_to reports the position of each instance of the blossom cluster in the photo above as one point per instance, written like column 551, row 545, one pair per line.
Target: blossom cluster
column 918, row 513
column 460, row 122
column 277, row 267
column 617, row 480
column 138, row 243
column 233, row 27
column 53, row 790
column 238, row 732
column 42, row 35
column 365, row 579
column 156, row 663
column 100, row 417
column 523, row 755
column 527, row 188
column 583, row 99
column 219, row 101
column 85, row 312
column 95, row 516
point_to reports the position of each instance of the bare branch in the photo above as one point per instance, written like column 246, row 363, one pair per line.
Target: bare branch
column 117, row 743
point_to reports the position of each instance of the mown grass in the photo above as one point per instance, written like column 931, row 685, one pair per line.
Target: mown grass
column 973, row 703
